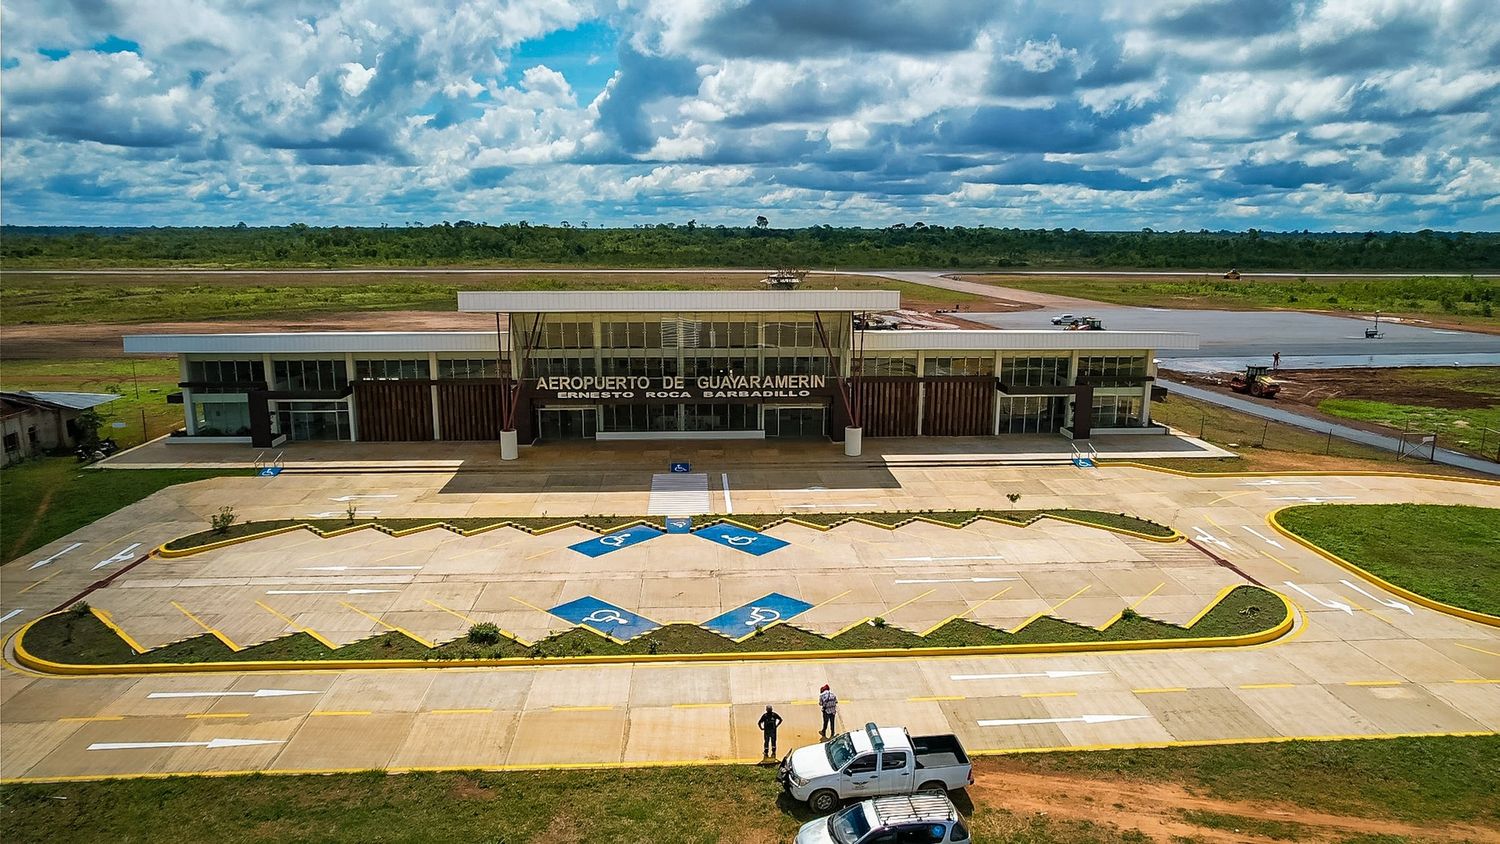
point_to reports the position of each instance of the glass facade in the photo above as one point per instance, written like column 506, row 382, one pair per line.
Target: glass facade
column 1111, row 370
column 1116, row 412
column 314, row 420
column 1036, row 370
column 469, row 368
column 225, row 372
column 969, row 365
column 410, row 369
column 1032, row 414
column 311, row 375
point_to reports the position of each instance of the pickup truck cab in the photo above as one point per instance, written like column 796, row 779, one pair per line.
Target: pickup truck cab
column 872, row 762
column 913, row 819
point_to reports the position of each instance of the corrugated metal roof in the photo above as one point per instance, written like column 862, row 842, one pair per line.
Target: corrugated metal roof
column 1058, row 340
column 677, row 301
column 72, row 401
column 312, row 342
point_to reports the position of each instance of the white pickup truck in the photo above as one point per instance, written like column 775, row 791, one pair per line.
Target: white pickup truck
column 871, row 762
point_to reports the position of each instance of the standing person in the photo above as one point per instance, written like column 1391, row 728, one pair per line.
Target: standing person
column 768, row 724
column 829, row 703
column 1276, row 361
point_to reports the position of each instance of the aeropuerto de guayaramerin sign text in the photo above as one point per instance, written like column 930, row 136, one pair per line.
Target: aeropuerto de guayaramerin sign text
column 644, row 388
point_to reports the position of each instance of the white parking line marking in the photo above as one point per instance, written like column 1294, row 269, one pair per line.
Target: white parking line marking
column 212, row 744
column 1051, row 675
column 1081, row 719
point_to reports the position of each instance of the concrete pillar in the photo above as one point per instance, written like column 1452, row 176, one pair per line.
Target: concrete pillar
column 853, row 441
column 190, row 416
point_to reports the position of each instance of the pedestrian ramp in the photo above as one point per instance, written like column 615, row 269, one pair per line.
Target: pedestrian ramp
column 679, row 494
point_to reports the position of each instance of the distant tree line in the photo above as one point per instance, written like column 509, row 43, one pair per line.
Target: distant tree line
column 758, row 245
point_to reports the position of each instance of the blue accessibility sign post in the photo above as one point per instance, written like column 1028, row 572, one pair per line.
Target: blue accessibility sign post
column 742, row 539
column 615, row 541
column 681, row 468
column 604, row 618
column 742, row 622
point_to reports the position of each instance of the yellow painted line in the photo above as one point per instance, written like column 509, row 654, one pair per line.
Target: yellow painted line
column 1374, row 683
column 229, row 643
column 967, row 611
column 1267, row 685
column 201, row 715
column 1480, row 650
column 807, row 701
column 912, row 601
column 701, row 705
column 828, row 601
column 1479, row 680
column 533, row 606
column 582, row 708
column 1148, row 594
column 1121, row 614
column 1050, row 694
column 1283, row 563
column 299, row 628
column 1229, row 496
column 460, row 711
column 936, row 697
column 1159, row 691
column 340, row 712
column 83, row 718
column 103, row 616
column 39, row 582
column 455, row 613
column 391, row 627
column 1052, row 609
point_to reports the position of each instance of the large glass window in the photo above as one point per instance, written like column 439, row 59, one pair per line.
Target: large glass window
column 940, row 366
column 1035, row 370
column 225, row 372
column 1116, row 412
column 471, row 368
column 314, row 420
column 893, row 364
column 311, row 375
column 221, row 415
column 392, row 370
column 1031, row 414
column 542, row 367
column 798, row 422
column 1111, row 370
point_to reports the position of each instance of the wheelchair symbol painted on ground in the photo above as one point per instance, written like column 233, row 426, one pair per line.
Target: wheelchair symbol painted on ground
column 605, row 618
column 742, row 621
column 602, row 545
column 741, row 539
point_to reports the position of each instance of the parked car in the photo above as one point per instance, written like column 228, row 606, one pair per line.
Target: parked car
column 909, row 819
column 1063, row 319
column 871, row 762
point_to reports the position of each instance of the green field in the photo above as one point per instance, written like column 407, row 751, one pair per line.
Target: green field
column 1423, row 783
column 1447, row 552
column 1469, row 299
column 141, row 384
column 51, row 497
column 64, row 298
column 1455, row 403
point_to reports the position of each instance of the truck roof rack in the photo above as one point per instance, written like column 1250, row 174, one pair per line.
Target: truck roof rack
column 914, row 807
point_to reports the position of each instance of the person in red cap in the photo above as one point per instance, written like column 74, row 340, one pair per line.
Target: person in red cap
column 829, row 703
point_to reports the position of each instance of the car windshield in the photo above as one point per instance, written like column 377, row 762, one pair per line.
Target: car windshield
column 840, row 750
column 850, row 825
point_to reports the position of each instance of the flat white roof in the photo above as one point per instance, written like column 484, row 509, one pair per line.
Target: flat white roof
column 313, row 342
column 1059, row 340
column 676, row 301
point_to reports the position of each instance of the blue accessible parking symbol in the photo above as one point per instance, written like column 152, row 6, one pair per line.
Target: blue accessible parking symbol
column 679, row 524
column 742, row 622
column 681, row 468
column 604, row 617
column 615, row 541
column 742, row 539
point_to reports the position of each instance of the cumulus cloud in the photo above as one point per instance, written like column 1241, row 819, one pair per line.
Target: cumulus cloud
column 1103, row 114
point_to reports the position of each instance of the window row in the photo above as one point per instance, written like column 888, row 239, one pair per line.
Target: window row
column 1116, row 412
column 720, row 331
column 1100, row 369
column 226, row 372
column 941, row 366
column 1035, row 371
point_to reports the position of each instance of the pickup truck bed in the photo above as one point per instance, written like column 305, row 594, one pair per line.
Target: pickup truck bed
column 939, row 751
column 939, row 760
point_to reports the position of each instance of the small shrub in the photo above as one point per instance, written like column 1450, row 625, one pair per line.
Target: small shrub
column 221, row 521
column 1013, row 497
column 351, row 510
column 484, row 633
column 878, row 622
column 80, row 609
column 1129, row 614
column 652, row 646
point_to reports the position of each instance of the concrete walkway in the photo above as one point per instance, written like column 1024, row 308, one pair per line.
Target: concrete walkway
column 1262, row 410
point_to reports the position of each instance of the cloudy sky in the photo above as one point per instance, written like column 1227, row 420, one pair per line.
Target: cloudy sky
column 1117, row 114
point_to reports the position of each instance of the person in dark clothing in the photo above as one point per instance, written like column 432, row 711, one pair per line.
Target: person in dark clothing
column 768, row 724
column 829, row 703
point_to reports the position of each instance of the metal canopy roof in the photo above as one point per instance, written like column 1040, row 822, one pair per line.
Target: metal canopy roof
column 943, row 339
column 313, row 342
column 677, row 301
column 62, row 399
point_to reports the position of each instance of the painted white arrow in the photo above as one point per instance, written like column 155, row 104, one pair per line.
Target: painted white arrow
column 12, row 614
column 1333, row 605
column 1051, row 675
column 256, row 693
column 118, row 558
column 1274, row 482
column 49, row 560
column 1205, row 536
column 1313, row 499
column 212, row 744
column 1080, row 719
column 329, row 514
column 1395, row 605
column 328, row 591
column 352, row 497
column 1263, row 537
column 360, row 568
column 960, row 580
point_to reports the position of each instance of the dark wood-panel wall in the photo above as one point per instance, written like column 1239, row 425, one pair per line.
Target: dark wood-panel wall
column 888, row 406
column 958, row 407
column 469, row 411
column 394, row 411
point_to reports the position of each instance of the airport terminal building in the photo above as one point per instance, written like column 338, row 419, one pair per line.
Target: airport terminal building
column 663, row 365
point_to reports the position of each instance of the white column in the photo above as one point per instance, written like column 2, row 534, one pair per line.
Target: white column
column 995, row 421
column 190, row 417
column 1146, row 391
column 921, row 391
column 437, row 424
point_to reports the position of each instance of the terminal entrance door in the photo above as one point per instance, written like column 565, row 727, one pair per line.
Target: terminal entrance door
column 566, row 423
column 796, row 422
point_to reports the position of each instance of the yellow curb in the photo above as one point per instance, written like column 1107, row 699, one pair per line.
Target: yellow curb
column 1367, row 473
column 103, row 616
column 1439, row 606
column 28, row 660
